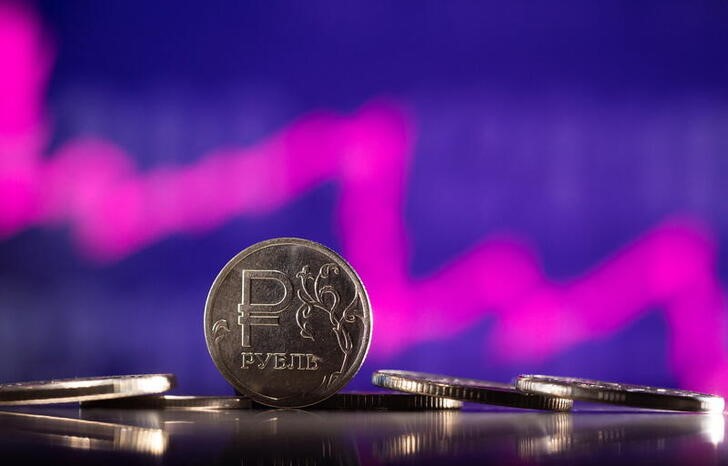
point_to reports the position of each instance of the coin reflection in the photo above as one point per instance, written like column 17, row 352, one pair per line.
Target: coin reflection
column 249, row 437
column 531, row 436
column 424, row 434
column 447, row 435
column 287, row 437
column 644, row 432
column 298, row 437
column 713, row 428
column 82, row 434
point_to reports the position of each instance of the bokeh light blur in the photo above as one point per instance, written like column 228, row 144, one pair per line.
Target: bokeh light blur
column 523, row 187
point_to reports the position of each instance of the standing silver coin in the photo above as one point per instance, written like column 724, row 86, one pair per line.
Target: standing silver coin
column 288, row 322
column 638, row 396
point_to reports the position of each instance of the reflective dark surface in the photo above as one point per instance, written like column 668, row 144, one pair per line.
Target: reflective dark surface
column 297, row 437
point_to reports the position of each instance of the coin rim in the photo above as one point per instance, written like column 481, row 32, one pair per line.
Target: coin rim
column 581, row 389
column 422, row 383
column 118, row 386
column 361, row 355
column 383, row 401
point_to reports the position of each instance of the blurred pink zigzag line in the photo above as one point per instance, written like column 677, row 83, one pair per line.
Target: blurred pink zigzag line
column 114, row 210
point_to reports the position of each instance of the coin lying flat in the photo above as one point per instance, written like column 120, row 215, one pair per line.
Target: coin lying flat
column 386, row 402
column 476, row 391
column 638, row 396
column 84, row 389
column 172, row 402
column 287, row 322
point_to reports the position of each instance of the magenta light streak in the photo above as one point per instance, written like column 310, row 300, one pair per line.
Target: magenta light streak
column 114, row 210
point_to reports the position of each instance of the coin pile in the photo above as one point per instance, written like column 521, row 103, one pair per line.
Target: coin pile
column 288, row 324
column 548, row 393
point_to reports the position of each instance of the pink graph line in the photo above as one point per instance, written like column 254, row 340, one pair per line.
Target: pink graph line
column 113, row 211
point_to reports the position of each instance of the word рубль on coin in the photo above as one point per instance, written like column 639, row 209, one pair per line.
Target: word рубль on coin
column 280, row 361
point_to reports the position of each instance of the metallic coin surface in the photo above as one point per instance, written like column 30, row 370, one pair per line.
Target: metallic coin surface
column 172, row 402
column 84, row 389
column 638, row 396
column 377, row 401
column 288, row 322
column 476, row 391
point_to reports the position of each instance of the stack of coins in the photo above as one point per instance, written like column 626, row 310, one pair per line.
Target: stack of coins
column 288, row 324
column 476, row 391
column 548, row 393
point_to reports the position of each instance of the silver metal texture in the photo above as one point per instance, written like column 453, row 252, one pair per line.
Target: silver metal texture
column 638, row 396
column 84, row 389
column 288, row 322
column 476, row 391
column 378, row 401
column 172, row 402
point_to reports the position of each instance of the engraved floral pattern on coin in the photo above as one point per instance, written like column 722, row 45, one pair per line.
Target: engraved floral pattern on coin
column 317, row 293
column 219, row 330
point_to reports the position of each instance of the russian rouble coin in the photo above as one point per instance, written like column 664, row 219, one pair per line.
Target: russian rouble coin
column 472, row 390
column 362, row 401
column 84, row 389
column 172, row 402
column 288, row 322
column 638, row 396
